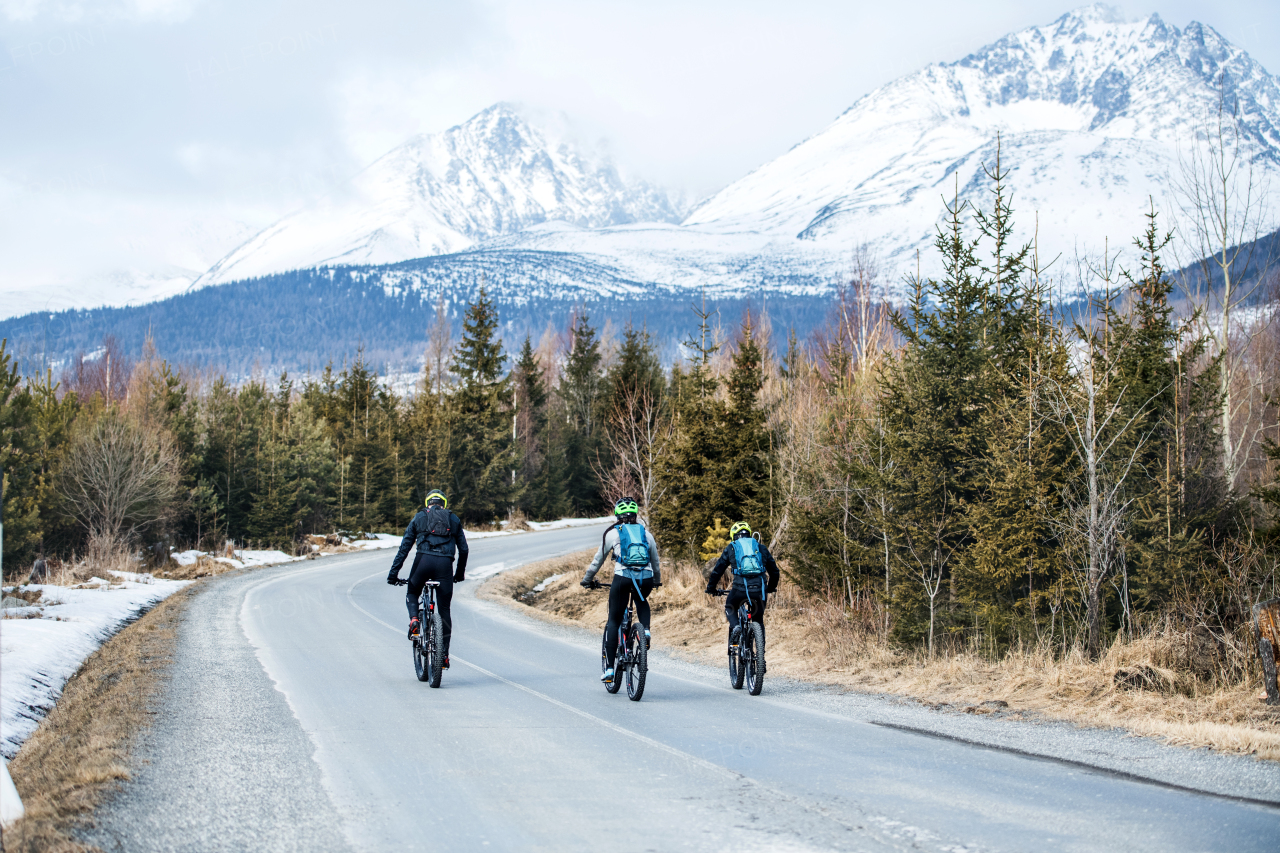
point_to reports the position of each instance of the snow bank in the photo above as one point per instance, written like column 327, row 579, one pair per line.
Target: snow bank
column 38, row 655
column 379, row 541
column 242, row 559
column 570, row 522
column 255, row 559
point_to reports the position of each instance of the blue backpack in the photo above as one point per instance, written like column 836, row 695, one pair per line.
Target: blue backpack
column 633, row 552
column 746, row 558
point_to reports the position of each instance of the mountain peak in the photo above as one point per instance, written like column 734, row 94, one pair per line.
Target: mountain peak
column 1089, row 111
column 494, row 174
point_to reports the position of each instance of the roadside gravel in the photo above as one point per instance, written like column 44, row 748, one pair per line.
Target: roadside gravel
column 227, row 744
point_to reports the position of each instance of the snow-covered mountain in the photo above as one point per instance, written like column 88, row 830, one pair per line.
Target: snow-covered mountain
column 1090, row 110
column 495, row 174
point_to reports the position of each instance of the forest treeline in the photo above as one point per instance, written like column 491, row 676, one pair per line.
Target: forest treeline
column 977, row 467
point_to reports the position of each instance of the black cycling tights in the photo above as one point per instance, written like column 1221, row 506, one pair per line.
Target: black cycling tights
column 622, row 590
column 738, row 594
column 429, row 567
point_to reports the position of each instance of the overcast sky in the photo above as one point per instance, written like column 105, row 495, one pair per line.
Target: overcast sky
column 140, row 132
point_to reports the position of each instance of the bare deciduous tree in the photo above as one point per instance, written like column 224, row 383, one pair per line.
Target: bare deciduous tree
column 1222, row 201
column 120, row 477
column 638, row 431
column 1099, row 423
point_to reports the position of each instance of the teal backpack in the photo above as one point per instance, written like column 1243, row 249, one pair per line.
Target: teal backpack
column 746, row 557
column 633, row 552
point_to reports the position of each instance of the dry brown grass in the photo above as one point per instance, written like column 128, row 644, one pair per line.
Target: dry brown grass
column 814, row 640
column 82, row 747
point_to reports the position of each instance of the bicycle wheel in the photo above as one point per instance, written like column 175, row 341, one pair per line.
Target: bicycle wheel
column 737, row 668
column 435, row 648
column 616, row 685
column 639, row 667
column 755, row 664
column 419, row 651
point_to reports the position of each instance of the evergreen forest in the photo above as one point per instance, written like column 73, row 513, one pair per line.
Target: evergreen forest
column 978, row 467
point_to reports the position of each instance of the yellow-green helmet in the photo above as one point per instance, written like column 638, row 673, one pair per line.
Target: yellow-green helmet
column 626, row 506
column 436, row 494
column 739, row 527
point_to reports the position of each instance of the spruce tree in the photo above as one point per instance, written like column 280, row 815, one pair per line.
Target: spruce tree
column 934, row 400
column 581, row 393
column 745, row 472
column 482, row 451
column 692, row 464
column 1173, row 409
column 540, row 497
column 18, row 463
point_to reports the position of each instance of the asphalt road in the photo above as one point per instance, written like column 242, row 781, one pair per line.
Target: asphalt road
column 293, row 721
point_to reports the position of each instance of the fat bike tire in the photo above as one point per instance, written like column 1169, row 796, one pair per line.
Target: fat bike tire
column 737, row 667
column 639, row 667
column 616, row 685
column 435, row 649
column 754, row 639
column 419, row 651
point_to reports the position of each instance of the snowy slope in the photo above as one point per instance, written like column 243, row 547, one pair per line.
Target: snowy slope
column 439, row 193
column 1091, row 109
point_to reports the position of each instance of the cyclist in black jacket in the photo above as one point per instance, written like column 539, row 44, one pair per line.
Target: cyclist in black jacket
column 438, row 534
column 754, row 586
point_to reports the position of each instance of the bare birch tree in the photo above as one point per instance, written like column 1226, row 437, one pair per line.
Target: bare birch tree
column 1100, row 426
column 638, row 431
column 1222, row 201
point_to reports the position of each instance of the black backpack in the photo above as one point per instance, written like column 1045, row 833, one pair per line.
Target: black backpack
column 438, row 533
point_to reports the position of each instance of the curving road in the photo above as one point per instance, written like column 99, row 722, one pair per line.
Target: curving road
column 293, row 721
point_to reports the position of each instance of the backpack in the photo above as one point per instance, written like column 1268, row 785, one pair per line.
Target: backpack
column 438, row 533
column 633, row 551
column 746, row 557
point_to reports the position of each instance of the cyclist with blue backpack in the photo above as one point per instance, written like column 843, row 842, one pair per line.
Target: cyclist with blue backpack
column 636, row 573
column 755, row 575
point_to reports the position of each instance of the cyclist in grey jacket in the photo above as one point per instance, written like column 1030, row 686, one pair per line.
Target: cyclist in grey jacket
column 629, row 582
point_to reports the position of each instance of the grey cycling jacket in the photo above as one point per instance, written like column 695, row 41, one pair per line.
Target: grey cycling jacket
column 610, row 546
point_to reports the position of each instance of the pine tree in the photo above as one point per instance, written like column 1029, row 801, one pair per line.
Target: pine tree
column 1173, row 411
column 934, row 400
column 482, row 453
column 581, row 392
column 745, row 472
column 18, row 463
column 540, row 497
column 691, row 466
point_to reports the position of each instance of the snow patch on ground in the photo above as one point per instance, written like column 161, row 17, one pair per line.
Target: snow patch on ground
column 570, row 522
column 43, row 645
column 40, row 652
column 546, row 582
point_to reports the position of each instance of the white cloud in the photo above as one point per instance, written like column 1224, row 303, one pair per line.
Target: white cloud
column 75, row 11
column 168, row 111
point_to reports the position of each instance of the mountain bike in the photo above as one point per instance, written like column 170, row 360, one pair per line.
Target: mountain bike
column 746, row 657
column 632, row 658
column 428, row 645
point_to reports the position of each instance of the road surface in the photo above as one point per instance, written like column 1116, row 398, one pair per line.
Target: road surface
column 293, row 721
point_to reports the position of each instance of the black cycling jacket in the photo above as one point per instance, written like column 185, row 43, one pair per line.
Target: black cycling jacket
column 416, row 533
column 727, row 559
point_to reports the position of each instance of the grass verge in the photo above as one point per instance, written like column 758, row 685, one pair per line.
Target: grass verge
column 82, row 747
column 817, row 641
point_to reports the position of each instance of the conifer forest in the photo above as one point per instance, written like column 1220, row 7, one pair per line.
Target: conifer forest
column 986, row 466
